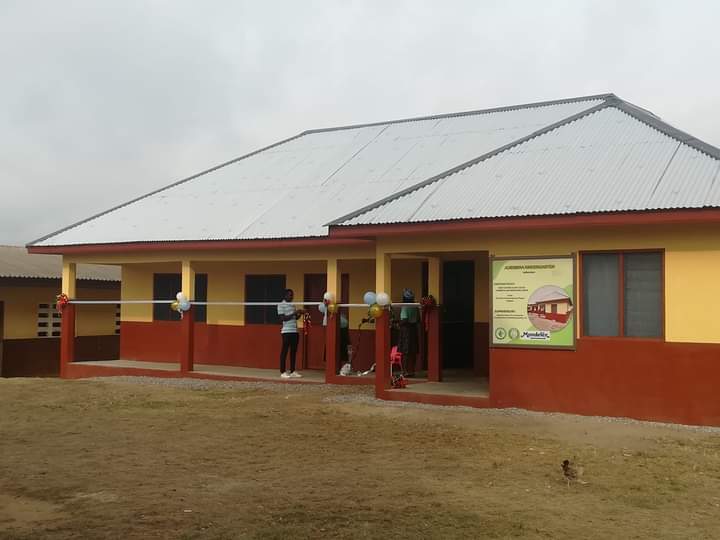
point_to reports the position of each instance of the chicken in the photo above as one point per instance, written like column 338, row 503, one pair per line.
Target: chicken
column 572, row 473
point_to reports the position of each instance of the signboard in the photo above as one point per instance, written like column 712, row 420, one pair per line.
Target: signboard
column 533, row 302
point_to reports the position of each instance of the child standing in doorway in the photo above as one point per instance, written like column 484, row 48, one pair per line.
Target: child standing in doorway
column 408, row 338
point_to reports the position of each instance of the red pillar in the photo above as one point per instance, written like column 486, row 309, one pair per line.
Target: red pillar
column 332, row 341
column 186, row 341
column 67, row 338
column 433, row 345
column 382, row 353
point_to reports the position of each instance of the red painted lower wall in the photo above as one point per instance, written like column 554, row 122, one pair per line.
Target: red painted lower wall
column 363, row 342
column 481, row 352
column 643, row 379
column 157, row 341
column 256, row 346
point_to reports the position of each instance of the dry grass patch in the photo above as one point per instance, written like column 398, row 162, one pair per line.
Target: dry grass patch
column 100, row 459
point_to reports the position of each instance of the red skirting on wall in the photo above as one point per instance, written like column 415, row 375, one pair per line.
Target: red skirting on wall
column 157, row 341
column 363, row 343
column 643, row 379
column 481, row 340
column 256, row 345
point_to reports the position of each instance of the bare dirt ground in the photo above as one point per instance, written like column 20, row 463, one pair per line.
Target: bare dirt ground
column 119, row 459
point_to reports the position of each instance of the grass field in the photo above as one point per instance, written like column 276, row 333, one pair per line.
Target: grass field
column 101, row 459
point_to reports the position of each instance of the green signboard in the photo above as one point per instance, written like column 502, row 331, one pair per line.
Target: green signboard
column 533, row 302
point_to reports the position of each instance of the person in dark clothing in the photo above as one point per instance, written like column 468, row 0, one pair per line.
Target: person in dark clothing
column 289, row 333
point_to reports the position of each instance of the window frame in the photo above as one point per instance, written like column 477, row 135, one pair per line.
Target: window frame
column 159, row 310
column 267, row 309
column 621, row 292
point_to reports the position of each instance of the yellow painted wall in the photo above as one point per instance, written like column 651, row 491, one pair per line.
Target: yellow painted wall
column 692, row 256
column 137, row 284
column 21, row 308
column 96, row 320
column 692, row 290
column 362, row 280
column 226, row 282
column 482, row 288
column 406, row 273
column 287, row 254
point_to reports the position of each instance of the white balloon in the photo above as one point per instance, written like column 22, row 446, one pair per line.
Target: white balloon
column 322, row 308
column 382, row 299
column 180, row 297
column 330, row 297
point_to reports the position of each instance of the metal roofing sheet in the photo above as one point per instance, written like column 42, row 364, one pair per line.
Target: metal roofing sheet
column 293, row 189
column 605, row 161
column 16, row 262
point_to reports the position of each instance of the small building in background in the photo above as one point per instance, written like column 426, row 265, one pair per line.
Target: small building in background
column 30, row 324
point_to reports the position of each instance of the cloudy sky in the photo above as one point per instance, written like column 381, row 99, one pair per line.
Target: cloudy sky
column 103, row 101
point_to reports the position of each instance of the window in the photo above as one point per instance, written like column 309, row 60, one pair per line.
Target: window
column 263, row 289
column 48, row 321
column 201, row 290
column 623, row 294
column 166, row 287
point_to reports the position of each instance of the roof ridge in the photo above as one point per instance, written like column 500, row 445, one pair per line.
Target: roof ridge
column 533, row 105
column 638, row 113
column 608, row 102
column 655, row 122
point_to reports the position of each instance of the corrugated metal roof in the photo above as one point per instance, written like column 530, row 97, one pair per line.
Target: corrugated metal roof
column 612, row 159
column 16, row 262
column 292, row 189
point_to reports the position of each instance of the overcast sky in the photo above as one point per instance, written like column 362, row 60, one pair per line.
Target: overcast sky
column 103, row 101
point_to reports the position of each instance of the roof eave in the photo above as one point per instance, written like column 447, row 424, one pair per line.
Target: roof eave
column 524, row 223
column 199, row 245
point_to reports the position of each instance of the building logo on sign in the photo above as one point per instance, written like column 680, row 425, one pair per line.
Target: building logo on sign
column 536, row 335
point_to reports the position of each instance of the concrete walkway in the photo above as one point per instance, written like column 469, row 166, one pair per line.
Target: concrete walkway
column 309, row 375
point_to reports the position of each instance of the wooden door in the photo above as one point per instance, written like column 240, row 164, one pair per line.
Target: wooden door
column 313, row 348
column 458, row 314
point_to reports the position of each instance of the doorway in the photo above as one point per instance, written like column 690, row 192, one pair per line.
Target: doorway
column 458, row 315
column 315, row 286
column 313, row 348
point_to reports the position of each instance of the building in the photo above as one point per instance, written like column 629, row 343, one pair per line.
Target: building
column 549, row 304
column 30, row 323
column 592, row 195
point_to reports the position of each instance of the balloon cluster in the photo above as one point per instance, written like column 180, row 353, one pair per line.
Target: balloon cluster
column 328, row 304
column 376, row 302
column 181, row 304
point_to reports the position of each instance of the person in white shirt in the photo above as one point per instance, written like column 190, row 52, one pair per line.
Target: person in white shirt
column 289, row 333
